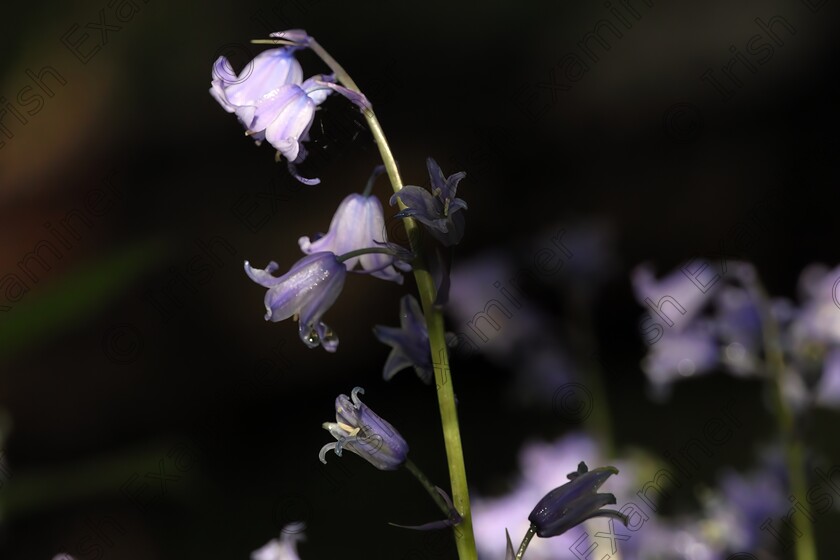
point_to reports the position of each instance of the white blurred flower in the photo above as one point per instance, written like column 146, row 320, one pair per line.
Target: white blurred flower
column 284, row 548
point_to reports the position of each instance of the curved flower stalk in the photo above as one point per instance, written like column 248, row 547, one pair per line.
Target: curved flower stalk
column 410, row 342
column 360, row 430
column 305, row 292
column 358, row 223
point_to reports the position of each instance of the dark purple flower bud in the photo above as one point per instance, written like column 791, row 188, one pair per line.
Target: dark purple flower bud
column 305, row 292
column 439, row 210
column 574, row 502
column 360, row 430
column 410, row 342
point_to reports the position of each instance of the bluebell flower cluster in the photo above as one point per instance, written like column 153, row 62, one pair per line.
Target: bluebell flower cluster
column 699, row 325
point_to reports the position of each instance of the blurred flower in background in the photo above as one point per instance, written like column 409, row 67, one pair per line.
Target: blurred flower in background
column 284, row 548
column 699, row 325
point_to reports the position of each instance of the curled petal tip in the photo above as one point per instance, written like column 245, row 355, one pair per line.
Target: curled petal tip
column 293, row 171
column 354, row 396
column 322, row 455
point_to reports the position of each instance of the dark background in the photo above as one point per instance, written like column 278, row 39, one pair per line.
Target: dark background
column 106, row 379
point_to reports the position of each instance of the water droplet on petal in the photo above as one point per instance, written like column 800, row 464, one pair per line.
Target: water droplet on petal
column 312, row 339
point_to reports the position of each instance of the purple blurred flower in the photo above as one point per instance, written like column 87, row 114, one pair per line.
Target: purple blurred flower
column 357, row 224
column 439, row 210
column 704, row 322
column 305, row 292
column 410, row 342
column 676, row 299
column 827, row 392
column 813, row 340
column 819, row 318
column 679, row 355
column 284, row 548
column 272, row 101
column 360, row 430
column 574, row 502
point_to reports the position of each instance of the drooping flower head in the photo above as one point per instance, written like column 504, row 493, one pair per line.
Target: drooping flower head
column 357, row 224
column 410, row 342
column 271, row 99
column 438, row 210
column 574, row 502
column 360, row 430
column 305, row 292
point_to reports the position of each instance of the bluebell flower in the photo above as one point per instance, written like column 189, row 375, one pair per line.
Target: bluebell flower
column 305, row 292
column 357, row 224
column 438, row 210
column 410, row 342
column 574, row 502
column 272, row 101
column 360, row 430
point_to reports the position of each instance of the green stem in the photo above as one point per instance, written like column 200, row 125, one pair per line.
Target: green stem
column 427, row 484
column 464, row 538
column 526, row 540
column 792, row 446
column 581, row 333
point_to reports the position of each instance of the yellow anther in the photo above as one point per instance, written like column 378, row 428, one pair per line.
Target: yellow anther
column 350, row 429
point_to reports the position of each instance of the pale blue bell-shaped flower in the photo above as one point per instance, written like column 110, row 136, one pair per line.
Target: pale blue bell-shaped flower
column 358, row 223
column 306, row 292
column 272, row 101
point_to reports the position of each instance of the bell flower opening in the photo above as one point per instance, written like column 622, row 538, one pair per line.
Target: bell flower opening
column 410, row 342
column 438, row 210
